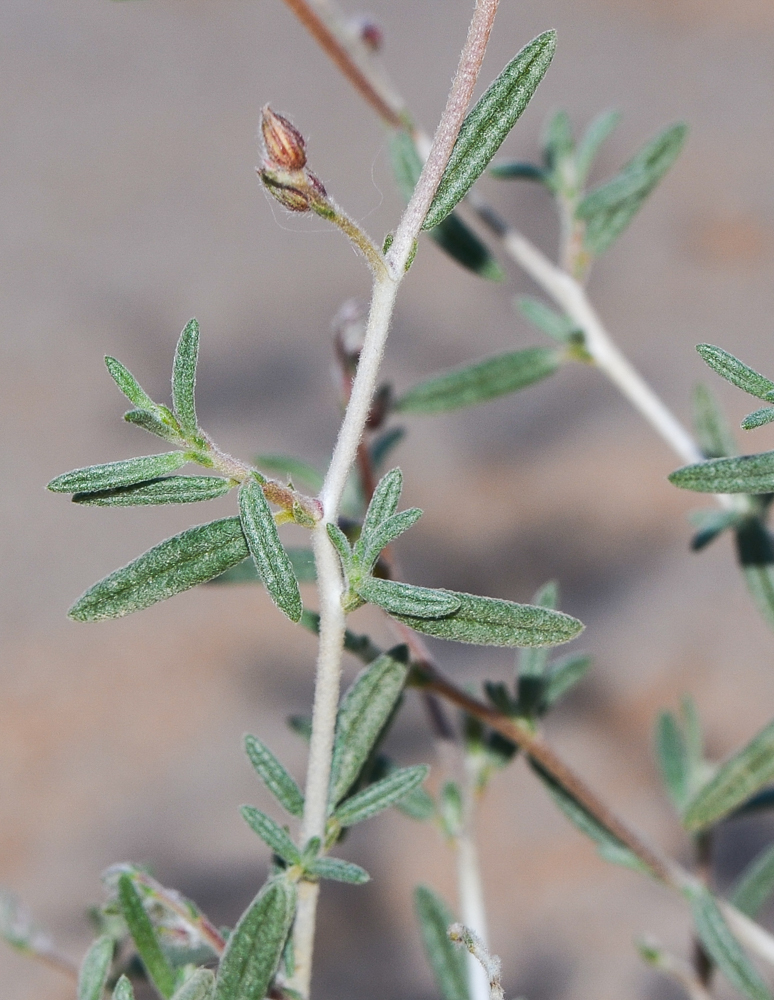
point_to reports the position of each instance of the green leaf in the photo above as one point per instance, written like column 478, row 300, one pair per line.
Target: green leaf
column 184, row 378
column 383, row 445
column 363, row 713
column 385, row 534
column 756, row 884
column 271, row 559
column 114, row 474
column 735, row 781
column 564, row 675
column 740, row 474
column 558, row 142
column 451, row 235
column 722, row 947
column 712, row 430
column 177, row 564
column 672, row 755
column 162, row 426
column 95, row 968
column 446, row 961
column 129, row 385
column 274, row 776
column 510, row 170
column 418, row 804
column 384, row 503
column 401, row 599
column 255, row 945
column 302, row 561
column 589, row 146
column 609, row 209
column 271, row 834
column 755, row 550
column 160, row 972
column 737, row 372
column 608, row 845
column 380, row 795
column 489, row 122
column 167, row 490
column 123, row 990
column 556, row 325
column 469, row 385
column 292, row 468
column 711, row 524
column 341, row 543
column 200, row 986
column 533, row 662
column 486, row 621
column 339, row 871
column 758, row 418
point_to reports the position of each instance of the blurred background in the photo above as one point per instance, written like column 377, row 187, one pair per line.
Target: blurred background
column 129, row 203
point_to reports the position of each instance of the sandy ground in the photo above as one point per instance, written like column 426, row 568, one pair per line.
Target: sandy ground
column 129, row 203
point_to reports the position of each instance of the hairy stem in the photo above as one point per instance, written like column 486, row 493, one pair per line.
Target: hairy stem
column 470, row 886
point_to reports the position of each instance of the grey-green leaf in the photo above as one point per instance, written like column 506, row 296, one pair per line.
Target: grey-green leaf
column 200, row 986
column 144, row 936
column 737, row 372
column 758, row 418
column 255, row 945
column 672, row 755
column 722, row 947
column 737, row 780
column 545, row 318
column 302, row 561
column 609, row 209
column 365, row 709
column 740, row 474
column 487, row 621
column 274, row 776
column 184, row 378
column 755, row 550
column 401, row 599
column 177, row 564
column 711, row 524
column 341, row 543
column 129, row 385
column 380, row 795
column 533, row 662
column 154, row 424
column 418, row 805
column 712, row 429
column 271, row 559
column 271, row 834
column 167, row 490
column 123, row 990
column 339, row 871
column 564, row 675
column 385, row 534
column 756, row 884
column 510, row 170
column 489, row 122
column 589, row 146
column 383, row 504
column 95, row 968
column 115, row 474
column 446, row 961
column 469, row 385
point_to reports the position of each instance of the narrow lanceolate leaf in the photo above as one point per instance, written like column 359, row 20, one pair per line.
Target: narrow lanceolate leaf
column 271, row 834
column 446, row 961
column 722, row 946
column 589, row 146
column 480, row 382
column 517, row 170
column 255, row 945
column 758, row 418
column 384, row 444
column 711, row 524
column 486, row 621
column 609, row 209
column 169, row 489
column 737, row 372
column 755, row 884
column 736, row 781
column 177, row 564
column 380, row 795
column 200, row 986
column 123, row 990
column 114, row 474
column 741, row 474
column 129, row 385
column 755, row 550
column 274, row 776
column 672, row 755
column 339, row 871
column 401, row 599
column 302, row 561
column 489, row 122
column 271, row 559
column 563, row 676
column 184, row 378
column 385, row 534
column 533, row 662
column 547, row 319
column 365, row 709
column 712, row 430
column 384, row 503
column 160, row 422
column 144, row 936
column 452, row 235
column 95, row 968
column 341, row 543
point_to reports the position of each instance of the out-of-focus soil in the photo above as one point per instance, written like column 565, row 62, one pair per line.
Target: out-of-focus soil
column 129, row 203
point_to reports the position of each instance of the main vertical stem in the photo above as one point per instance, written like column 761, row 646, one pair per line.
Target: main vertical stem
column 470, row 887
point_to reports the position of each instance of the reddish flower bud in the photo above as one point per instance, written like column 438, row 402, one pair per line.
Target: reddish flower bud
column 297, row 190
column 284, row 143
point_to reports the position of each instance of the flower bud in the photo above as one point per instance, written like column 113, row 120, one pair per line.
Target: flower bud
column 285, row 147
column 297, row 190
